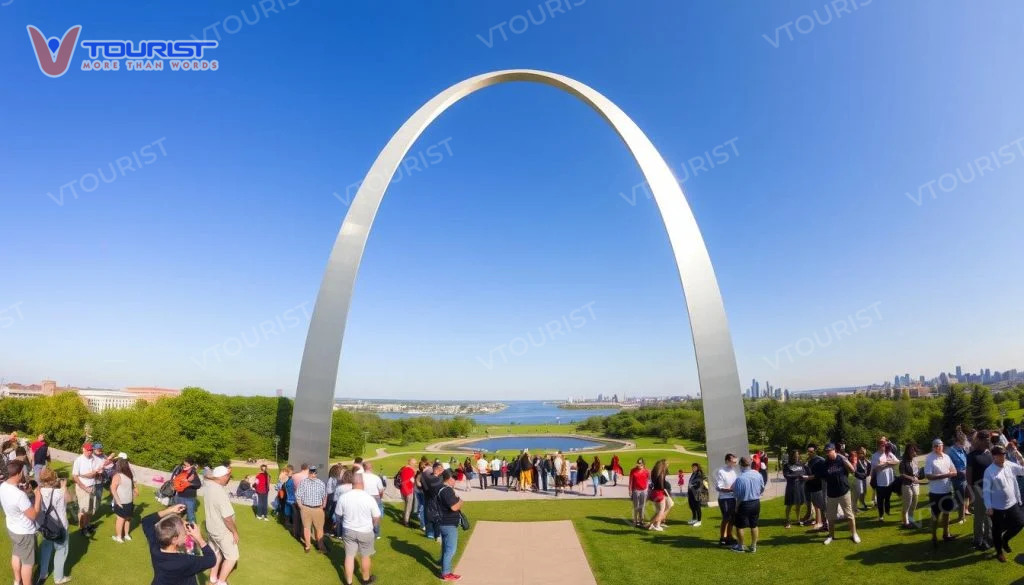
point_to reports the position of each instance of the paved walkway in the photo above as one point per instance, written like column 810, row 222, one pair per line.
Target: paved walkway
column 525, row 555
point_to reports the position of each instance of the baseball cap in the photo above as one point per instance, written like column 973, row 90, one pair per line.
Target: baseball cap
column 122, row 455
column 830, row 447
column 312, row 468
column 97, row 446
column 937, row 443
column 219, row 471
column 87, row 446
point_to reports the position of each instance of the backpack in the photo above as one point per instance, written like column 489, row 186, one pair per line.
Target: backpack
column 181, row 482
column 51, row 527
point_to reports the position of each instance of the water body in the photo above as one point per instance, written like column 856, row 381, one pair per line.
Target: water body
column 552, row 443
column 524, row 412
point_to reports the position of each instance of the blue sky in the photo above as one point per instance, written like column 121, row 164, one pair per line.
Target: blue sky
column 201, row 265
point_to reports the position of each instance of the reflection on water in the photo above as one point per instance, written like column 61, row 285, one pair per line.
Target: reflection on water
column 534, row 412
column 552, row 443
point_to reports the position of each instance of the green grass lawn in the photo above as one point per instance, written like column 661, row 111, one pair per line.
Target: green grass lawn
column 617, row 552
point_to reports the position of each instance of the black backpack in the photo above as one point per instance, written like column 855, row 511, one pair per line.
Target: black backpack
column 51, row 527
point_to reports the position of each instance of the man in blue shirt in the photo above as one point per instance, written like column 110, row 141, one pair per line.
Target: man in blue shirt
column 958, row 454
column 747, row 489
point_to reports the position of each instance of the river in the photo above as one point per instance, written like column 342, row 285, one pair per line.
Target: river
column 524, row 412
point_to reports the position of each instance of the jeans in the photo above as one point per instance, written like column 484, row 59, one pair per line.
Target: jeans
column 338, row 530
column 376, row 527
column 695, row 509
column 483, row 480
column 190, row 507
column 614, row 476
column 982, row 523
column 639, row 502
column 882, row 495
column 595, row 480
column 261, row 505
column 36, row 469
column 543, row 480
column 449, row 542
column 58, row 560
column 494, row 477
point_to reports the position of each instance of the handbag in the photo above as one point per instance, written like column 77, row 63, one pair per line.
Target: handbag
column 51, row 528
column 463, row 520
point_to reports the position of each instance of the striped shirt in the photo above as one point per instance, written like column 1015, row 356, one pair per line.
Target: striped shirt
column 311, row 493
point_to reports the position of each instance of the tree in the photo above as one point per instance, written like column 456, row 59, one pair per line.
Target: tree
column 984, row 414
column 346, row 435
column 62, row 417
column 956, row 410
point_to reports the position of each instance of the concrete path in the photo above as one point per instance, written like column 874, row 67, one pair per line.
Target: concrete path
column 516, row 553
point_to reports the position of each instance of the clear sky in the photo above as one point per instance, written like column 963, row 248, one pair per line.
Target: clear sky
column 832, row 131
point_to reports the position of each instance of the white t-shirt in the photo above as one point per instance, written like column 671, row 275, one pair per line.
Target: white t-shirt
column 724, row 478
column 15, row 503
column 883, row 477
column 372, row 484
column 481, row 465
column 937, row 465
column 340, row 490
column 60, row 507
column 84, row 465
column 357, row 510
column 496, row 464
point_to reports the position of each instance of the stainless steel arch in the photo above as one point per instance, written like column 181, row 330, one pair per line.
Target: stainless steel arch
column 724, row 419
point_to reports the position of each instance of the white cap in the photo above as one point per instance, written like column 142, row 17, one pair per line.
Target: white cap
column 219, row 471
column 122, row 455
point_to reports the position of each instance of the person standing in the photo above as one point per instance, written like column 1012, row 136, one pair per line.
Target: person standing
column 406, row 480
column 54, row 494
column 123, row 493
column 724, row 478
column 595, row 476
column 373, row 485
column 747, row 490
column 21, row 515
column 693, row 491
column 861, row 474
column 495, row 470
column 661, row 494
column 311, row 498
column 638, row 480
column 939, row 470
column 106, row 465
column 883, row 463
column 834, row 471
column 815, row 495
column 186, row 486
column 483, row 469
column 793, row 472
column 262, row 488
column 615, row 470
column 40, row 454
column 525, row 471
column 958, row 455
column 220, row 524
column 447, row 509
column 359, row 515
column 431, row 480
column 1003, row 500
column 978, row 461
column 85, row 472
column 911, row 487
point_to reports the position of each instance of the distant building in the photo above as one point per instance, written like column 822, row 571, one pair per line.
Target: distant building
column 20, row 391
column 150, row 393
column 100, row 399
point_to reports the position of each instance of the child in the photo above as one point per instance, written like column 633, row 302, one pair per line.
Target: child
column 681, row 482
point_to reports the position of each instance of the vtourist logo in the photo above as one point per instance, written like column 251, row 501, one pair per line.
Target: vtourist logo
column 54, row 55
column 693, row 166
column 805, row 346
column 518, row 346
column 11, row 315
column 429, row 156
column 233, row 346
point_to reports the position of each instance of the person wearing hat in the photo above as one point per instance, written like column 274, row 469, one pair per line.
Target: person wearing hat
column 311, row 498
column 939, row 470
column 834, row 471
column 1003, row 500
column 106, row 463
column 87, row 472
column 747, row 490
column 220, row 524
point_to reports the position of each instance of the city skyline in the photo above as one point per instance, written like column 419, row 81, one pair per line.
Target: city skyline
column 854, row 232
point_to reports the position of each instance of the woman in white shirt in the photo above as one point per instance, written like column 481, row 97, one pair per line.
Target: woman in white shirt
column 123, row 492
column 883, row 463
column 54, row 496
column 1002, row 500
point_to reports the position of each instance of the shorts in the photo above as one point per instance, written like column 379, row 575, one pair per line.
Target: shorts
column 125, row 511
column 833, row 505
column 23, row 546
column 817, row 499
column 225, row 545
column 728, row 508
column 748, row 513
column 360, row 543
column 88, row 503
column 942, row 503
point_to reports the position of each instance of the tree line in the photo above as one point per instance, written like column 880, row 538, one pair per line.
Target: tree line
column 212, row 428
column 856, row 420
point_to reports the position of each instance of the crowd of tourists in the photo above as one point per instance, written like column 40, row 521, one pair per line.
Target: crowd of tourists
column 554, row 472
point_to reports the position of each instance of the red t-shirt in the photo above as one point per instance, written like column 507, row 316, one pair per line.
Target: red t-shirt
column 407, row 476
column 262, row 483
column 36, row 445
column 638, row 479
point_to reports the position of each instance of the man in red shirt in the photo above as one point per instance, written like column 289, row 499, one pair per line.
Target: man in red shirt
column 638, row 478
column 407, row 487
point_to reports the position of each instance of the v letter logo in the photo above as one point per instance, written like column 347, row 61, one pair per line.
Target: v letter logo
column 54, row 55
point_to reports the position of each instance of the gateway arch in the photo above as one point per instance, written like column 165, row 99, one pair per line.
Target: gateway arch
column 724, row 419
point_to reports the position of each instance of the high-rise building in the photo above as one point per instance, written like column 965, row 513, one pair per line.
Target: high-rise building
column 896, row 381
column 959, row 372
column 921, row 379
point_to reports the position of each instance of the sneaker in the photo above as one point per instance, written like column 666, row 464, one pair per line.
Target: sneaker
column 856, row 538
column 116, row 539
column 451, row 577
column 737, row 549
column 127, row 538
column 752, row 549
column 721, row 542
column 62, row 581
column 659, row 528
column 696, row 524
column 828, row 540
column 692, row 522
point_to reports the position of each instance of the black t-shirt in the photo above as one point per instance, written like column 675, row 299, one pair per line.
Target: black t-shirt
column 174, row 568
column 978, row 462
column 814, row 485
column 834, row 472
column 446, row 499
column 41, row 454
